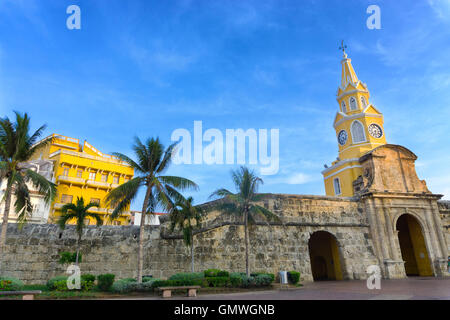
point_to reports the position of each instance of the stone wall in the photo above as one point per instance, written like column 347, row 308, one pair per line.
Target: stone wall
column 444, row 210
column 32, row 253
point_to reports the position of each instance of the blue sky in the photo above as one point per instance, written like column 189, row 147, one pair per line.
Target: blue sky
column 146, row 68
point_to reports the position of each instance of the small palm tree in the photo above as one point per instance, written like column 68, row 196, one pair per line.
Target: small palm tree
column 243, row 203
column 78, row 212
column 185, row 216
column 161, row 190
column 17, row 146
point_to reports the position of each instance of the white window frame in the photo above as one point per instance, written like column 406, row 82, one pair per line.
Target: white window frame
column 92, row 175
column 363, row 131
column 350, row 104
column 363, row 102
column 339, row 186
column 66, row 171
column 343, row 106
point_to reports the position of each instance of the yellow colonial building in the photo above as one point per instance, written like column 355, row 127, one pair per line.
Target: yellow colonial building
column 80, row 170
column 359, row 129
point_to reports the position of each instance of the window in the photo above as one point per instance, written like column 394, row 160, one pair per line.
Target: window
column 95, row 200
column 344, row 107
column 363, row 102
column 105, row 177
column 358, row 132
column 92, row 176
column 117, row 223
column 87, row 221
column 65, row 198
column 125, row 180
column 353, row 105
column 79, row 173
column 66, row 172
column 337, row 186
column 116, row 180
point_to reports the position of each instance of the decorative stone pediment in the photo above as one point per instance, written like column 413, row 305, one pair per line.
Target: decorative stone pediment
column 389, row 168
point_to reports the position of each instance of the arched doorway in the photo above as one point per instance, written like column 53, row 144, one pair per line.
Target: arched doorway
column 324, row 256
column 412, row 246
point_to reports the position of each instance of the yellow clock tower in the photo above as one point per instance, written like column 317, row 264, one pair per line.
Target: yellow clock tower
column 359, row 129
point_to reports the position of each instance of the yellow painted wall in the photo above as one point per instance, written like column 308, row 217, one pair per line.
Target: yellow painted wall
column 346, row 178
column 366, row 114
column 69, row 157
column 413, row 248
column 322, row 245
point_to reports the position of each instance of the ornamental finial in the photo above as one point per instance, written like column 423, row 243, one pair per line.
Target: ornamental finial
column 343, row 47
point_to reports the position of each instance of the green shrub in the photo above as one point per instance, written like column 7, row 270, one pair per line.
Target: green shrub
column 69, row 257
column 293, row 277
column 188, row 276
column 147, row 279
column 211, row 272
column 88, row 277
column 60, row 285
column 271, row 275
column 10, row 284
column 122, row 286
column 51, row 283
column 223, row 273
column 128, row 280
column 218, row 281
column 130, row 285
column 105, row 281
column 235, row 281
column 263, row 280
column 87, row 285
column 247, row 282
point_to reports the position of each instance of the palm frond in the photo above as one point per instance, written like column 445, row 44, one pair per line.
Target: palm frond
column 220, row 193
column 129, row 161
column 264, row 213
column 179, row 182
column 43, row 186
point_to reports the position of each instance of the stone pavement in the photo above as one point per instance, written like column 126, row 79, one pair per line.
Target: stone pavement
column 422, row 288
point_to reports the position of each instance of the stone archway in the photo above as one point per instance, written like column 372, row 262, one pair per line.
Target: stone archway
column 324, row 256
column 412, row 246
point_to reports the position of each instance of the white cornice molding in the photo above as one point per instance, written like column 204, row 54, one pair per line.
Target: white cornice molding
column 348, row 93
column 339, row 171
column 338, row 164
column 355, row 116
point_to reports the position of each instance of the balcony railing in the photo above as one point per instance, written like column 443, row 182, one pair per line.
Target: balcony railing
column 72, row 179
column 98, row 184
column 93, row 209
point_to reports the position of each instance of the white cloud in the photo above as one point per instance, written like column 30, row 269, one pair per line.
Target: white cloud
column 298, row 178
column 441, row 7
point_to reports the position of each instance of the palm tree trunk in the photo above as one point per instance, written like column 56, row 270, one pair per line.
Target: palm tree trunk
column 5, row 225
column 192, row 253
column 247, row 271
column 78, row 248
column 141, row 235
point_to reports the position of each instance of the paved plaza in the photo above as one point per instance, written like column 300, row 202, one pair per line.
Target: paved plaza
column 417, row 288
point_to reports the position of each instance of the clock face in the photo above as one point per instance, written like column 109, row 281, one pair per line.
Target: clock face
column 342, row 137
column 375, row 131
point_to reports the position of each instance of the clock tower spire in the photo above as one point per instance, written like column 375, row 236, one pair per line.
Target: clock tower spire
column 359, row 129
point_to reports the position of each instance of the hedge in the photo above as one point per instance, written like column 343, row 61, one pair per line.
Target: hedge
column 293, row 277
column 10, row 284
column 105, row 281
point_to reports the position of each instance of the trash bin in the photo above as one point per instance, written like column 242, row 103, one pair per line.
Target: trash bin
column 283, row 277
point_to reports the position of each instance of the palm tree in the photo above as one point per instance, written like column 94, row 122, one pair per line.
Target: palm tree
column 16, row 148
column 183, row 216
column 79, row 212
column 243, row 203
column 161, row 190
